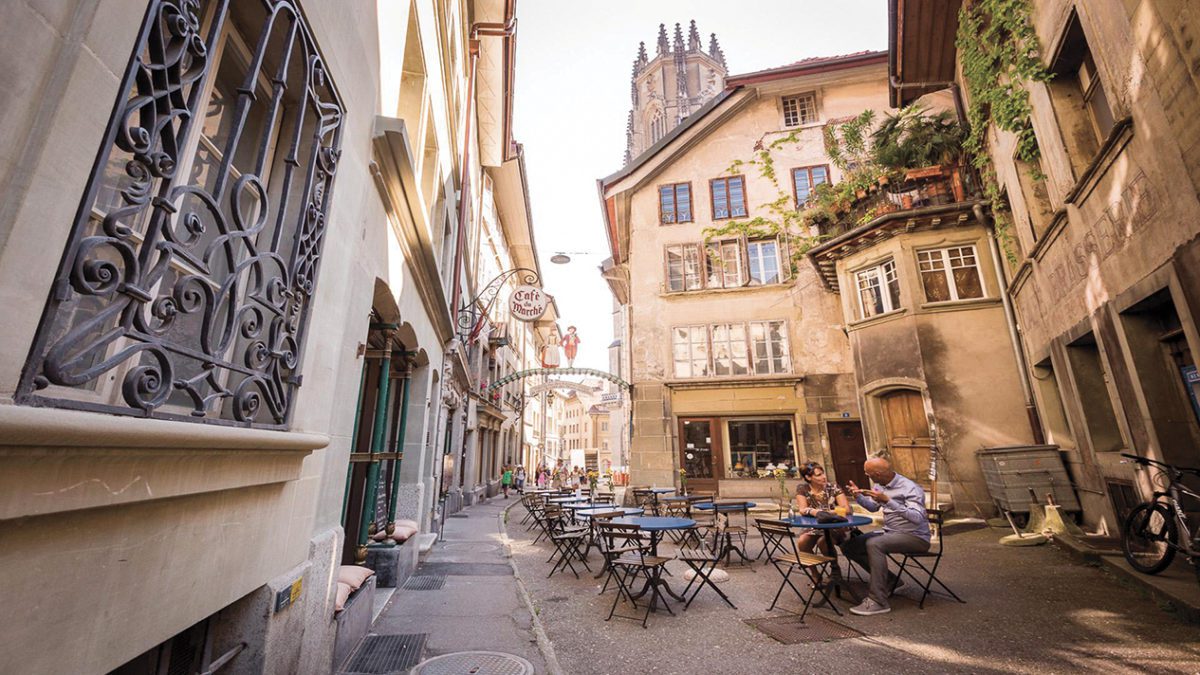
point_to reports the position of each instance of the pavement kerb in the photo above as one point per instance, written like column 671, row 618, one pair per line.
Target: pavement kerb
column 539, row 632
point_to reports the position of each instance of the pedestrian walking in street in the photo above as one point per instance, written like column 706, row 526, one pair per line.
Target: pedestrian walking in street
column 520, row 480
column 506, row 480
column 905, row 530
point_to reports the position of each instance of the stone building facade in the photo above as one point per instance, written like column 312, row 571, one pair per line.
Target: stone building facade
column 738, row 358
column 232, row 243
column 1103, row 278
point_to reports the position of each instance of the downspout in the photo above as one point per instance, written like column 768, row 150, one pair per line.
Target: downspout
column 1010, row 318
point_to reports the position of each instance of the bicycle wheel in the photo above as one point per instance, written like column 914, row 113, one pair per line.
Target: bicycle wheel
column 1150, row 538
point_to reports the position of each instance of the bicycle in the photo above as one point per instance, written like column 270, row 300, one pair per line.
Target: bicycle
column 1151, row 538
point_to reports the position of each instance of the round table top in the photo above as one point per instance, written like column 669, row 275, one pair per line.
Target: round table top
column 627, row 510
column 661, row 491
column 566, row 500
column 655, row 523
column 584, row 505
column 683, row 498
column 810, row 522
column 732, row 506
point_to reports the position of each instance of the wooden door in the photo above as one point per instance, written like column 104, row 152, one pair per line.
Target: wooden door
column 907, row 434
column 849, row 452
column 700, row 452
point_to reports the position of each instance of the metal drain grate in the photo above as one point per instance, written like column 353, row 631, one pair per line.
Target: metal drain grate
column 454, row 569
column 425, row 582
column 380, row 654
column 790, row 631
column 475, row 663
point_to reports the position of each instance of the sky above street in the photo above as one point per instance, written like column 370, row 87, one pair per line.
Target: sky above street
column 574, row 61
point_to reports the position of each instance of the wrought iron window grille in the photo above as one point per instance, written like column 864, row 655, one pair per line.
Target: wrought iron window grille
column 185, row 288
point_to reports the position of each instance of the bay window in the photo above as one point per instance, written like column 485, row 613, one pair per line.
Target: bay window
column 950, row 274
column 878, row 289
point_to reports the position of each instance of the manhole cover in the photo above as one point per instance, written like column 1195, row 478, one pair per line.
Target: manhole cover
column 425, row 582
column 789, row 630
column 386, row 654
column 475, row 663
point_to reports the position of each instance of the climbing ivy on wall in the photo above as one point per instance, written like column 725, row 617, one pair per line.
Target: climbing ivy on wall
column 999, row 53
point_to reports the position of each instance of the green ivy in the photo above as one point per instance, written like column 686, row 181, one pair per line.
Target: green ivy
column 999, row 53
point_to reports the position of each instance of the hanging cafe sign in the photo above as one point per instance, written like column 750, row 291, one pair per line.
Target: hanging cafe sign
column 528, row 303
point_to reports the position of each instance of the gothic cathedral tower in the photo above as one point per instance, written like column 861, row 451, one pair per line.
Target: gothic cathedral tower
column 671, row 86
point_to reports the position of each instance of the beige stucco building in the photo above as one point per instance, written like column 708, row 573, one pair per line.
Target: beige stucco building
column 1104, row 277
column 738, row 358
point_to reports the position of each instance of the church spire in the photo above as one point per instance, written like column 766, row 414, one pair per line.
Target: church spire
column 678, row 39
column 714, row 50
column 641, row 57
column 663, row 47
column 693, row 37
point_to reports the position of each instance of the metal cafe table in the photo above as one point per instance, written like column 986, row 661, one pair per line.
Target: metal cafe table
column 656, row 525
column 587, row 513
column 727, row 507
column 835, row 574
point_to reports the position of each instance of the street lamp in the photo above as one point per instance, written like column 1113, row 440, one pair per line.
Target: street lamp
column 564, row 257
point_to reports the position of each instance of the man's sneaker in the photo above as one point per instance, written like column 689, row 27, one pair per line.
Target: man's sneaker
column 869, row 608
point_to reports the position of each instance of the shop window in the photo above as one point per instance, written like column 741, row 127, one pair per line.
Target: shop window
column 758, row 447
column 189, row 272
column 805, row 179
column 1166, row 374
column 728, row 197
column 1091, row 386
column 950, row 274
column 878, row 289
column 1052, row 413
column 1081, row 104
column 675, row 203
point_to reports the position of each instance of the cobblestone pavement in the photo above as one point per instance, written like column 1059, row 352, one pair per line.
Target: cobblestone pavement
column 1028, row 610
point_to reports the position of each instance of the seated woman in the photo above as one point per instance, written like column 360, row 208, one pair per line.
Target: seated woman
column 815, row 494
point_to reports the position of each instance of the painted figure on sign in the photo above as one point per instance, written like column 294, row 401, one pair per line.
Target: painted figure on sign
column 571, row 346
column 550, row 355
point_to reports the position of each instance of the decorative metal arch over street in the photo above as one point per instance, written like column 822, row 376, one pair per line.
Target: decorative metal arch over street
column 559, row 372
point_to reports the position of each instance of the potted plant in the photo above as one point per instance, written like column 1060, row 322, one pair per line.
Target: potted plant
column 921, row 145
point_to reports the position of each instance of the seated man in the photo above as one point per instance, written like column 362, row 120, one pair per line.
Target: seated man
column 905, row 530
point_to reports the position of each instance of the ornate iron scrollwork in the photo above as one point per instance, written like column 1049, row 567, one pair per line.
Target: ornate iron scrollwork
column 185, row 286
column 472, row 313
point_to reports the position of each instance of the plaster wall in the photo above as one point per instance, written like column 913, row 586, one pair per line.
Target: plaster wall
column 819, row 348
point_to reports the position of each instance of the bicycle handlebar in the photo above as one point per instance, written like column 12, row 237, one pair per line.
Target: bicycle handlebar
column 1146, row 461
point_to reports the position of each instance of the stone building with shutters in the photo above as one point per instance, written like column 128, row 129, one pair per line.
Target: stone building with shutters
column 737, row 357
column 1105, row 252
column 233, row 240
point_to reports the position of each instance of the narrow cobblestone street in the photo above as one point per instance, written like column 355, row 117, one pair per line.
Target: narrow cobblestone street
column 1028, row 610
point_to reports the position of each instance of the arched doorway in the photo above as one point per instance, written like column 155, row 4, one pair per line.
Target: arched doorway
column 906, row 431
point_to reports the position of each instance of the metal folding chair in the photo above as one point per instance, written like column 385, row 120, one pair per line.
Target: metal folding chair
column 629, row 559
column 567, row 541
column 936, row 520
column 812, row 565
column 703, row 559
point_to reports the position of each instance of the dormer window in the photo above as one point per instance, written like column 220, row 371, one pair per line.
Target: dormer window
column 799, row 110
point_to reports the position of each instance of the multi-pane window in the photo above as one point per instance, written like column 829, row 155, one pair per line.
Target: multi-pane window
column 950, row 274
column 190, row 269
column 725, row 269
column 728, row 197
column 690, row 351
column 1082, row 109
column 1094, row 98
column 731, row 349
column 799, row 109
column 805, row 179
column 685, row 265
column 675, row 203
column 763, row 257
column 769, row 343
column 878, row 289
column 732, row 263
